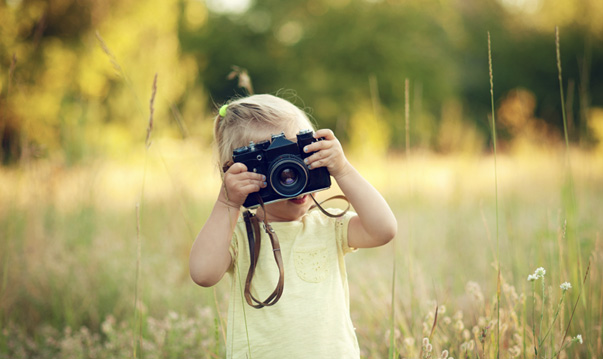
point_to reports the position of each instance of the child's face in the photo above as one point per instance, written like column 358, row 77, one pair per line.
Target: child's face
column 288, row 210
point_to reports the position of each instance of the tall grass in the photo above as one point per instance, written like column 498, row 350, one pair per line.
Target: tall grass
column 570, row 203
column 568, row 188
column 137, row 324
column 451, row 251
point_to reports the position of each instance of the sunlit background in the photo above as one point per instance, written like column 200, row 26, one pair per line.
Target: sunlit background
column 107, row 171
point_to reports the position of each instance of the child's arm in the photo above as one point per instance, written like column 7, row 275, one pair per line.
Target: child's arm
column 210, row 257
column 375, row 224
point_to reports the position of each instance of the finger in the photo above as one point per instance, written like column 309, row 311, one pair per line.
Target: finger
column 318, row 146
column 239, row 192
column 326, row 133
column 237, row 167
column 235, row 182
column 250, row 188
column 315, row 157
column 318, row 159
column 239, row 171
column 250, row 176
column 318, row 163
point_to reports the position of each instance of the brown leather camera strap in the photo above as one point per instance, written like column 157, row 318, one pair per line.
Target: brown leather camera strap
column 254, row 237
column 324, row 211
column 255, row 241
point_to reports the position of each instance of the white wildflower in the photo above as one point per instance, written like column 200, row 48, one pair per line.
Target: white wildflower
column 578, row 338
column 466, row 334
column 532, row 278
column 515, row 351
column 409, row 341
column 566, row 286
column 540, row 272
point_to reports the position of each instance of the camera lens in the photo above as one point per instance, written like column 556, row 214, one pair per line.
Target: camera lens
column 288, row 176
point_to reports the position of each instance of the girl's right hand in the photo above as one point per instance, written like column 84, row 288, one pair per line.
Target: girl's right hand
column 238, row 184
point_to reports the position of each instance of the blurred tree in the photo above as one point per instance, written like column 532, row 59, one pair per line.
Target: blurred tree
column 71, row 96
column 327, row 50
column 524, row 57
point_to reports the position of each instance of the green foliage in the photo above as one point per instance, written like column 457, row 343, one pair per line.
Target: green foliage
column 328, row 51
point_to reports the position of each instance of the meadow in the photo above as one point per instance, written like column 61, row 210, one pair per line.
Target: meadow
column 95, row 257
column 498, row 254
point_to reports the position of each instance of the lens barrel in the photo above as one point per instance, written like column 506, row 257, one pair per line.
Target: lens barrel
column 288, row 176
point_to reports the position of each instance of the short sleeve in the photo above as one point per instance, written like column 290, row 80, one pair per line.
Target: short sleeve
column 342, row 224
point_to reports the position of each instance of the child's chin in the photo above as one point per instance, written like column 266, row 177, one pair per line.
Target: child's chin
column 303, row 199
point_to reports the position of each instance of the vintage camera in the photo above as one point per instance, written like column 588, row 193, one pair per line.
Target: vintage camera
column 282, row 162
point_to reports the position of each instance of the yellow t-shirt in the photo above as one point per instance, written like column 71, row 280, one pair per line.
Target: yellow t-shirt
column 312, row 317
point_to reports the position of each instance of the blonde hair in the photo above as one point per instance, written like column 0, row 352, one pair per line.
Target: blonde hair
column 256, row 118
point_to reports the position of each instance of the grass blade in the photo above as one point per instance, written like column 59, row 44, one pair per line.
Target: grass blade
column 575, row 305
column 496, row 196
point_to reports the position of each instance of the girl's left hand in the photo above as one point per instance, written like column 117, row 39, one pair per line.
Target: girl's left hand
column 328, row 153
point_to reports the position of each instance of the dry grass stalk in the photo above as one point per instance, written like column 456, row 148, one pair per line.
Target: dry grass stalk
column 116, row 66
column 575, row 305
column 407, row 116
column 151, row 112
column 137, row 315
column 374, row 89
column 435, row 322
column 496, row 195
column 243, row 76
column 559, row 71
column 180, row 121
column 571, row 205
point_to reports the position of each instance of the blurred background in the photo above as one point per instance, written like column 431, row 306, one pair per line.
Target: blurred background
column 71, row 69
column 95, row 226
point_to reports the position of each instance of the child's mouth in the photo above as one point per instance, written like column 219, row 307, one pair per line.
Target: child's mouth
column 299, row 200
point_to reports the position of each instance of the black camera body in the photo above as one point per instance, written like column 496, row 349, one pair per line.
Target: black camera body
column 282, row 162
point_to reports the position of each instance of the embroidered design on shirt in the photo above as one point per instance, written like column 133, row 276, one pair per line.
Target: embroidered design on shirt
column 311, row 263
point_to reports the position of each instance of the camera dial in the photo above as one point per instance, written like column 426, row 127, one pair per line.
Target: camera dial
column 282, row 134
column 240, row 150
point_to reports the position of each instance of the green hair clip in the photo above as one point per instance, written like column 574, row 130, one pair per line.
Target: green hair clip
column 223, row 110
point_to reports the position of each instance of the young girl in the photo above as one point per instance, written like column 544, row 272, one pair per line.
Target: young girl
column 312, row 318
